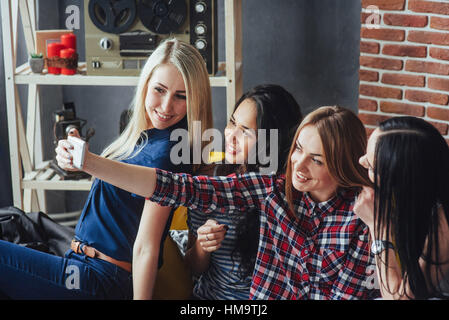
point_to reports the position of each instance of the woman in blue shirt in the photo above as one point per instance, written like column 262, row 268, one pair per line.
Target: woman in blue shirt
column 173, row 91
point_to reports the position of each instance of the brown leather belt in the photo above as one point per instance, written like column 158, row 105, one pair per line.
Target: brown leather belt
column 81, row 248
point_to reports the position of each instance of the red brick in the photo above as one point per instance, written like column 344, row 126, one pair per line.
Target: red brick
column 381, row 63
column 439, row 23
column 405, row 20
column 380, row 92
column 402, row 108
column 372, row 119
column 441, row 7
column 428, row 37
column 383, row 34
column 425, row 96
column 367, row 104
column 438, row 84
column 405, row 50
column 385, row 4
column 438, row 53
column 369, row 47
column 441, row 127
column 438, row 113
column 367, row 75
column 427, row 67
column 369, row 131
column 400, row 79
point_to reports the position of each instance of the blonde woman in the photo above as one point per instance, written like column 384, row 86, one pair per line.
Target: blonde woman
column 173, row 91
column 311, row 244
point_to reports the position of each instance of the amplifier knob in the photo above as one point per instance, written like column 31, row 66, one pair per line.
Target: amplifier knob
column 106, row 43
column 201, row 44
column 200, row 7
column 200, row 29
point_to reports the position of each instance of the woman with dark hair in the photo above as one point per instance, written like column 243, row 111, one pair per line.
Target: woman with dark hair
column 311, row 244
column 407, row 211
column 222, row 248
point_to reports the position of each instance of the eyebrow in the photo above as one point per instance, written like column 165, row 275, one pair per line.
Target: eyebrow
column 241, row 125
column 312, row 154
column 165, row 87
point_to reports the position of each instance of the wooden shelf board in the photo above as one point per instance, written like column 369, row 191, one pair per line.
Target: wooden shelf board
column 47, row 179
column 23, row 75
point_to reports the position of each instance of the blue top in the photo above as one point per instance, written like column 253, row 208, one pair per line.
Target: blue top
column 111, row 216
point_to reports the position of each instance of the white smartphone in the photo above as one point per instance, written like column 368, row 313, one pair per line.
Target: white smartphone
column 78, row 151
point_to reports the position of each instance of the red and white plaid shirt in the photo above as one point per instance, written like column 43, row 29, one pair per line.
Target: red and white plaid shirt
column 322, row 255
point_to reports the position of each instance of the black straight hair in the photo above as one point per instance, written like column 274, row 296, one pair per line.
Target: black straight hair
column 276, row 109
column 411, row 170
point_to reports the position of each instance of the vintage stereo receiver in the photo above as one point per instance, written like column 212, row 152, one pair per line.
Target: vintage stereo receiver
column 121, row 34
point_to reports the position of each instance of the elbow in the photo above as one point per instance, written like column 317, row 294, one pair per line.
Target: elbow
column 144, row 251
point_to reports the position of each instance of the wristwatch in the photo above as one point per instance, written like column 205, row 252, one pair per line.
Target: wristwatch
column 380, row 245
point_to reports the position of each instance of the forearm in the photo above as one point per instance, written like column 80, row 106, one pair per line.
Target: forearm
column 135, row 179
column 197, row 259
column 145, row 267
column 390, row 276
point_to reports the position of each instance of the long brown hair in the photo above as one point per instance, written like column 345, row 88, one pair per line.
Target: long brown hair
column 344, row 141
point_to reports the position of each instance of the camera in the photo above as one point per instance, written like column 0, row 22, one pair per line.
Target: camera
column 65, row 120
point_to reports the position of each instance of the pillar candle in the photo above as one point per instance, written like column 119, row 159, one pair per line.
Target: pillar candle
column 69, row 40
column 53, row 50
column 67, row 53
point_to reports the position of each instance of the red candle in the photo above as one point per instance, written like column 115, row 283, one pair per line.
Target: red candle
column 53, row 50
column 69, row 40
column 67, row 53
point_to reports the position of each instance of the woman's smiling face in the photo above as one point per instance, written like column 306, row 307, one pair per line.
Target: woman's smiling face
column 240, row 133
column 165, row 101
column 309, row 170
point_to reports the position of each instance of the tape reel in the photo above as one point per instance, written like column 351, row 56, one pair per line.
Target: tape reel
column 158, row 16
column 162, row 16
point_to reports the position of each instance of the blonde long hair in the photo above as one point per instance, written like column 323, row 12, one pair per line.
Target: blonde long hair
column 344, row 141
column 192, row 67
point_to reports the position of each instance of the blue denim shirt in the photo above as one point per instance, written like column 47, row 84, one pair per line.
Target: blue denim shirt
column 111, row 216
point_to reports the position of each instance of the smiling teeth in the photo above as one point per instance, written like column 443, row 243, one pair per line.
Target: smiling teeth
column 302, row 177
column 162, row 116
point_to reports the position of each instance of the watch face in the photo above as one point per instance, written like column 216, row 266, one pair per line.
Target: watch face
column 376, row 247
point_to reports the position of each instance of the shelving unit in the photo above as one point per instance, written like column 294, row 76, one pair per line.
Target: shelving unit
column 31, row 175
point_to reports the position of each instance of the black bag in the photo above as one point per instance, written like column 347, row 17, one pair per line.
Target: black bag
column 34, row 230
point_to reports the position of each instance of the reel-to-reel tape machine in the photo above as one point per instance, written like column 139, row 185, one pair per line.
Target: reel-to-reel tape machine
column 121, row 34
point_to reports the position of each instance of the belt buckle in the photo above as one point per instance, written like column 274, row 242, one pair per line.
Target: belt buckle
column 89, row 251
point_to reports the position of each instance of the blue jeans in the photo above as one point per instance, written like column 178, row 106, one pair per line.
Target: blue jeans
column 30, row 274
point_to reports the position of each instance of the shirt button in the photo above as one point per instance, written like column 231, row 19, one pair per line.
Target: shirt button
column 305, row 277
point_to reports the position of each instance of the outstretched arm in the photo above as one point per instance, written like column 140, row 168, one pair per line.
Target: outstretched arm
column 205, row 194
column 136, row 179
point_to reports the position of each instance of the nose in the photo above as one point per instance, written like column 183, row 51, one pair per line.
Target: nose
column 231, row 134
column 299, row 161
column 166, row 104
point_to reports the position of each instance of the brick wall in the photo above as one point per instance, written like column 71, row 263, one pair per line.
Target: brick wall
column 404, row 61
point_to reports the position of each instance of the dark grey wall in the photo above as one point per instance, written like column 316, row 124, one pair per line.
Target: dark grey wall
column 311, row 47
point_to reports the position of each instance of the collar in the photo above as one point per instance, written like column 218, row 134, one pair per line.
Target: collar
column 182, row 124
